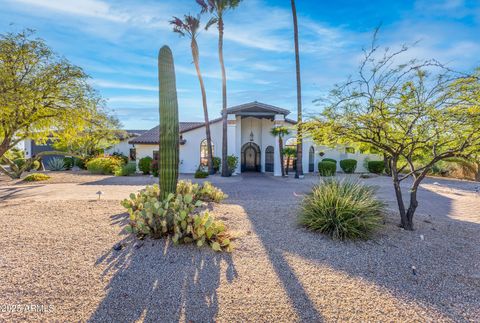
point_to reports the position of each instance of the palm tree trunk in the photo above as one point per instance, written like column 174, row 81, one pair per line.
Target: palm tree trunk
column 196, row 55
column 280, row 146
column 299, row 168
column 225, row 171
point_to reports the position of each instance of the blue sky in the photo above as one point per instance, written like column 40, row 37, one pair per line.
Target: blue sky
column 116, row 42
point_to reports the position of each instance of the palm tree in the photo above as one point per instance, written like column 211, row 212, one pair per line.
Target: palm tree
column 299, row 168
column 290, row 152
column 217, row 9
column 189, row 27
column 280, row 132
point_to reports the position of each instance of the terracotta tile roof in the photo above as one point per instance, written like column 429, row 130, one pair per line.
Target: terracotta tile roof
column 152, row 135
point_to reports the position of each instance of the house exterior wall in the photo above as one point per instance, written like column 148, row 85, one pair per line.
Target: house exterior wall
column 122, row 147
column 239, row 130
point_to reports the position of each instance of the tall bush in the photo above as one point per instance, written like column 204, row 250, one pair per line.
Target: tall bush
column 348, row 165
column 327, row 168
column 145, row 165
column 376, row 166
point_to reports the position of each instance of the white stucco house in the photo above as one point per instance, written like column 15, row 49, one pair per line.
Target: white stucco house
column 249, row 139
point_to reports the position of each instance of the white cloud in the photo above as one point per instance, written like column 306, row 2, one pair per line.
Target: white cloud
column 126, row 86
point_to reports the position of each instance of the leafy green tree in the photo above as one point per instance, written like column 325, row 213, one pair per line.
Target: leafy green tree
column 217, row 8
column 42, row 95
column 299, row 168
column 416, row 113
column 189, row 27
column 102, row 132
column 280, row 132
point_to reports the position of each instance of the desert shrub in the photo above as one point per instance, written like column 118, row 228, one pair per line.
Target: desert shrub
column 217, row 163
column 126, row 170
column 35, row 165
column 376, row 166
column 56, row 164
column 348, row 165
column 232, row 162
column 342, row 210
column 201, row 173
column 120, row 156
column 145, row 165
column 36, row 177
column 177, row 216
column 327, row 168
column 154, row 167
column 68, row 162
column 19, row 162
column 104, row 165
column 330, row 160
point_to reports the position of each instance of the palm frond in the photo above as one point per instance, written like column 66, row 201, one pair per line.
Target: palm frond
column 211, row 22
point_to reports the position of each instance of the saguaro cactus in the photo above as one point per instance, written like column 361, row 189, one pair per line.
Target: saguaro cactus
column 169, row 135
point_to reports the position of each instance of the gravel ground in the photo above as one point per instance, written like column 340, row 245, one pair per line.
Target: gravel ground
column 59, row 252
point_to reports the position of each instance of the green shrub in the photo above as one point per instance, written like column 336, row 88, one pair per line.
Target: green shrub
column 154, row 167
column 330, row 160
column 201, row 173
column 327, row 168
column 376, row 166
column 126, row 170
column 104, row 165
column 120, row 156
column 177, row 216
column 348, row 165
column 145, row 165
column 232, row 162
column 56, row 164
column 19, row 162
column 341, row 209
column 217, row 163
column 68, row 162
column 35, row 165
column 36, row 177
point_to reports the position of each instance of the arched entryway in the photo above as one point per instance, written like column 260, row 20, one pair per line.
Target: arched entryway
column 269, row 159
column 311, row 160
column 250, row 159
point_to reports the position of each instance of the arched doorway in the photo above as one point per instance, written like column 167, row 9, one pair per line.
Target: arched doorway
column 269, row 159
column 311, row 159
column 250, row 158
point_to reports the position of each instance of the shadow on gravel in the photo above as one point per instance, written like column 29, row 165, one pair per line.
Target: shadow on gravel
column 16, row 192
column 446, row 279
column 155, row 281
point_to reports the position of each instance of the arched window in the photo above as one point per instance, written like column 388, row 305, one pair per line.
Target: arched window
column 204, row 152
column 291, row 142
column 311, row 159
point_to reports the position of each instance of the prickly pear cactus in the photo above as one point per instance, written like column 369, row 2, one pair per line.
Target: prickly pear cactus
column 169, row 136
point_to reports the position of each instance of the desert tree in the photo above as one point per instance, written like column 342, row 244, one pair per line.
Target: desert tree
column 217, row 9
column 42, row 95
column 414, row 112
column 299, row 168
column 190, row 27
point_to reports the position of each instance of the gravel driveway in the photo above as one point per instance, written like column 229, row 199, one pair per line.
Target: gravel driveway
column 57, row 241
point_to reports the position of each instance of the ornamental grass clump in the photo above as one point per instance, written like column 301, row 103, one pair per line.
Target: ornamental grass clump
column 178, row 216
column 342, row 209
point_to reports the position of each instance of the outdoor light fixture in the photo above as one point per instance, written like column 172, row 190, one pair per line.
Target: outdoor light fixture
column 251, row 135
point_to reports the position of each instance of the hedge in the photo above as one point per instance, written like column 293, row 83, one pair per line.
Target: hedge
column 348, row 165
column 376, row 166
column 327, row 168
